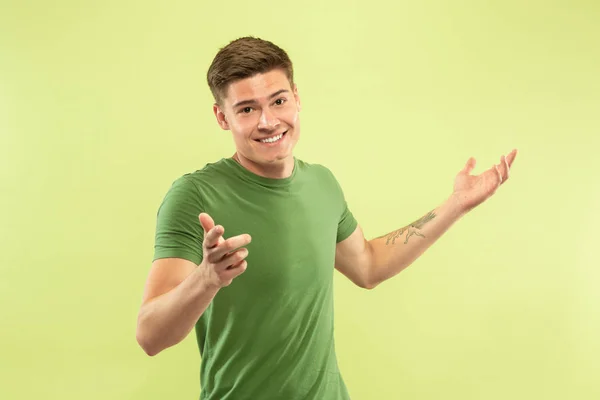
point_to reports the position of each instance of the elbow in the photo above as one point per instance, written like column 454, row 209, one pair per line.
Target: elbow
column 368, row 282
column 368, row 285
column 146, row 344
column 144, row 338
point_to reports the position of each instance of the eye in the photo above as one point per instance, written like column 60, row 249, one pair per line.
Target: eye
column 246, row 110
column 280, row 101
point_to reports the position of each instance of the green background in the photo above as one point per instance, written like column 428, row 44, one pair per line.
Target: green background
column 103, row 104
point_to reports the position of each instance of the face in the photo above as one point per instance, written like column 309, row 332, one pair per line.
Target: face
column 264, row 106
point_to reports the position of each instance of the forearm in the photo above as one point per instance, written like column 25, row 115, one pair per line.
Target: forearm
column 395, row 251
column 167, row 319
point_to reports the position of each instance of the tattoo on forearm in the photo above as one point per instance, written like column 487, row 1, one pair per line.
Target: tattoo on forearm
column 412, row 229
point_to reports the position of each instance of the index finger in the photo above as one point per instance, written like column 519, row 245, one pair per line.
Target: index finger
column 232, row 244
column 511, row 157
column 211, row 239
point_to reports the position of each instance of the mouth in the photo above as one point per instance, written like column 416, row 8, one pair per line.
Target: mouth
column 272, row 139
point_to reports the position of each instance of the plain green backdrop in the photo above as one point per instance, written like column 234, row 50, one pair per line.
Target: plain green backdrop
column 104, row 104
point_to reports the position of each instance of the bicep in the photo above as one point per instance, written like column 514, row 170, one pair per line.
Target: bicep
column 166, row 274
column 353, row 257
column 178, row 230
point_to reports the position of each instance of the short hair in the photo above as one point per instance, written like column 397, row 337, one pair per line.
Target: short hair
column 244, row 58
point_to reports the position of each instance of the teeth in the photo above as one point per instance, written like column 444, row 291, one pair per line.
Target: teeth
column 273, row 139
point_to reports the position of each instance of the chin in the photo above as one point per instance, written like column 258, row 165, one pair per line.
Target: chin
column 275, row 160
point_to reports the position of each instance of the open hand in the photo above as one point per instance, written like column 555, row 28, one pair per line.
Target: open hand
column 472, row 190
column 224, row 259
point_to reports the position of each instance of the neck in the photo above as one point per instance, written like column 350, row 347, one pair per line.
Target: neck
column 279, row 170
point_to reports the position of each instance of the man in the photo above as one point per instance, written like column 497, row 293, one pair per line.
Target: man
column 257, row 285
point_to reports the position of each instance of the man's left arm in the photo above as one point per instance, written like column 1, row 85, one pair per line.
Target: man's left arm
column 368, row 263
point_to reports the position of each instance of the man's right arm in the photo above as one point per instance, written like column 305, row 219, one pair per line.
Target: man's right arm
column 175, row 296
column 178, row 291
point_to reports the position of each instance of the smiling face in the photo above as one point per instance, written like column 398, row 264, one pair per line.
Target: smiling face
column 262, row 113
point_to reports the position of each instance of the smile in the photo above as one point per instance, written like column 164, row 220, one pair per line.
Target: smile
column 273, row 139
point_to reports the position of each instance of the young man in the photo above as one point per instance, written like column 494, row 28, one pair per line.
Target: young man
column 258, row 285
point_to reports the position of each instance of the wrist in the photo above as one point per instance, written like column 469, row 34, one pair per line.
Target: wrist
column 456, row 206
column 207, row 284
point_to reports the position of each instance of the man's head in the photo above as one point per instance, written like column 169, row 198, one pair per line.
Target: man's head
column 256, row 98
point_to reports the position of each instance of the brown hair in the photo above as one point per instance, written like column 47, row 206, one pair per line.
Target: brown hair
column 244, row 58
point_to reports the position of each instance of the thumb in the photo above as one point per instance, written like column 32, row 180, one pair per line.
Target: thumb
column 469, row 166
column 206, row 221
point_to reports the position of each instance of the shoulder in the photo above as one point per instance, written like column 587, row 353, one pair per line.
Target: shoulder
column 315, row 169
column 322, row 174
column 209, row 174
column 191, row 187
column 194, row 181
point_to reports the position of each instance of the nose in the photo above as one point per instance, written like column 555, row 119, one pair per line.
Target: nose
column 268, row 121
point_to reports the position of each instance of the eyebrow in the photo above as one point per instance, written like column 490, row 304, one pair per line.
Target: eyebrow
column 245, row 102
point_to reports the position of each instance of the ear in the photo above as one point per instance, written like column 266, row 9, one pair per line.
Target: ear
column 297, row 97
column 220, row 115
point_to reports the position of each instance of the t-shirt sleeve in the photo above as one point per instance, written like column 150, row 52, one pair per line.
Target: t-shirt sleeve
column 347, row 223
column 178, row 230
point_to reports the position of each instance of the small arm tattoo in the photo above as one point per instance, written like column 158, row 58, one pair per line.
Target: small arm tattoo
column 412, row 229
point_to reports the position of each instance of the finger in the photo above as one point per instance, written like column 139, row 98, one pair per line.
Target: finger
column 511, row 157
column 214, row 237
column 206, row 221
column 502, row 168
column 506, row 170
column 234, row 271
column 498, row 174
column 237, row 264
column 469, row 166
column 228, row 246
column 231, row 259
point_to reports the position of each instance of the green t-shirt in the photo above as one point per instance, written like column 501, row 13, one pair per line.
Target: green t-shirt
column 268, row 335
